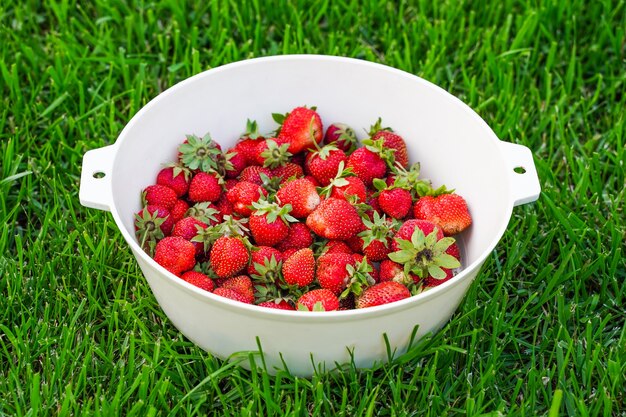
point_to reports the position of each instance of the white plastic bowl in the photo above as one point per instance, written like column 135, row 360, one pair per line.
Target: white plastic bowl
column 454, row 145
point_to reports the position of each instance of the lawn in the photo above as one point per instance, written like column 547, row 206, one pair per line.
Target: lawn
column 541, row 331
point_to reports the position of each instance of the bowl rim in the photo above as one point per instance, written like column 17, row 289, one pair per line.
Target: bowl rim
column 307, row 316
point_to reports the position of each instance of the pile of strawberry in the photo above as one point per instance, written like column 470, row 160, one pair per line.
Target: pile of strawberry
column 299, row 219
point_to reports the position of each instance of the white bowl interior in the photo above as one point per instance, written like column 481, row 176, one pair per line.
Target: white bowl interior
column 454, row 146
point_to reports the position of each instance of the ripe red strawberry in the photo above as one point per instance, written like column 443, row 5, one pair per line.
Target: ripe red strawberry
column 408, row 227
column 229, row 256
column 406, row 179
column 231, row 294
column 302, row 128
column 374, row 206
column 331, row 271
column 318, row 300
column 372, row 271
column 335, row 219
column 337, row 246
column 375, row 241
column 367, row 165
column 176, row 177
column 391, row 271
column 199, row 279
column 301, row 195
column 433, row 282
column 454, row 250
column 230, row 184
column 152, row 219
column 272, row 152
column 394, row 141
column 205, row 186
column 423, row 254
column 224, row 207
column 382, row 293
column 159, row 195
column 205, row 212
column 288, row 252
column 342, row 136
column 355, row 243
column 249, row 141
column 448, row 211
column 395, row 202
column 354, row 187
column 179, row 210
column 391, row 140
column 238, row 162
column 206, row 237
column 323, row 164
column 269, row 223
column 242, row 195
column 243, row 285
column 312, row 180
column 253, row 174
column 376, row 250
column 152, row 223
column 267, row 233
column 175, row 254
column 287, row 171
column 260, row 256
column 247, row 149
column 281, row 305
column 299, row 268
column 188, row 228
column 299, row 237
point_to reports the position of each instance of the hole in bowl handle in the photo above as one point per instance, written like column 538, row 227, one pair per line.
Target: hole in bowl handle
column 525, row 187
column 95, row 178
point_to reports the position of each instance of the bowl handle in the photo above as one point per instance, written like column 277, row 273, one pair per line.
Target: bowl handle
column 524, row 179
column 95, row 178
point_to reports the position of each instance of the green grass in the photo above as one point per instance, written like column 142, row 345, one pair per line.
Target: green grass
column 541, row 332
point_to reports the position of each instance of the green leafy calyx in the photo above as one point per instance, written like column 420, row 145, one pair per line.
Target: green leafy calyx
column 148, row 227
column 273, row 211
column 204, row 212
column 339, row 180
column 207, row 236
column 425, row 255
column 201, row 153
column 385, row 153
column 252, row 130
column 379, row 228
column 377, row 127
column 275, row 155
column 358, row 279
column 346, row 135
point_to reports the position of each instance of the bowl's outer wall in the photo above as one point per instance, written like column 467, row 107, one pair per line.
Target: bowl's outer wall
column 227, row 331
column 454, row 146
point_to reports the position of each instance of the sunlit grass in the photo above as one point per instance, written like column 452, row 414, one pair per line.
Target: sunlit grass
column 541, row 331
